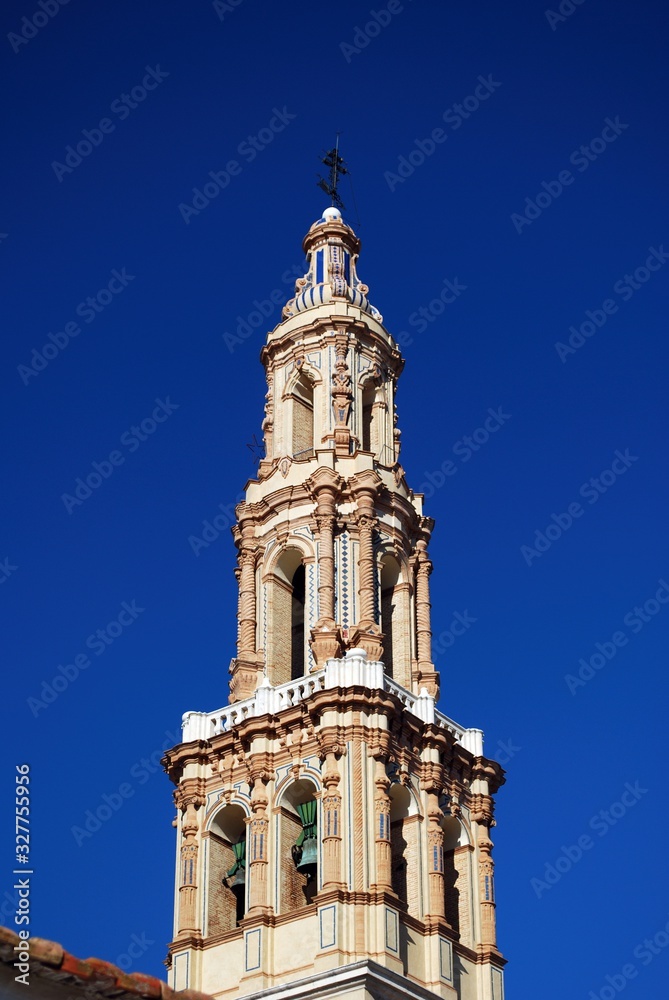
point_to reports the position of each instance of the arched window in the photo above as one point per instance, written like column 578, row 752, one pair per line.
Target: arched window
column 297, row 623
column 287, row 632
column 368, row 436
column 405, row 848
column 302, row 395
column 395, row 622
column 227, row 870
column 457, row 877
column 299, row 846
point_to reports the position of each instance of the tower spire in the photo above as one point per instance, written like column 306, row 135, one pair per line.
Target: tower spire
column 334, row 826
column 336, row 166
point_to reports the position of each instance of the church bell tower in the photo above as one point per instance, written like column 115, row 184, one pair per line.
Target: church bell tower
column 333, row 829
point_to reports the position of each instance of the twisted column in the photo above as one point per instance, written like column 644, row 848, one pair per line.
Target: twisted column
column 325, row 487
column 423, row 624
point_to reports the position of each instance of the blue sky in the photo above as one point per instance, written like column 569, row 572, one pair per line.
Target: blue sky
column 513, row 161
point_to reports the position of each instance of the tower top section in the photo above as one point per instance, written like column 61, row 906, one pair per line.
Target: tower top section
column 332, row 250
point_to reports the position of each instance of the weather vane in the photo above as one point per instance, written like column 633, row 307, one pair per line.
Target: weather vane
column 333, row 161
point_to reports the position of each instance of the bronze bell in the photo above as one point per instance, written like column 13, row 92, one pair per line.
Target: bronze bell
column 236, row 881
column 308, row 863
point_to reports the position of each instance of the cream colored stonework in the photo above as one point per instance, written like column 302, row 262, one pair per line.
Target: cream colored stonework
column 362, row 814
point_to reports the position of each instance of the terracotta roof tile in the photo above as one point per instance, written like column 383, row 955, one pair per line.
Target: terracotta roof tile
column 99, row 978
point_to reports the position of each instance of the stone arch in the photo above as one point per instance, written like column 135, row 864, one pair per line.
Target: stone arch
column 287, row 612
column 395, row 614
column 299, row 850
column 227, row 870
column 457, row 877
column 406, row 871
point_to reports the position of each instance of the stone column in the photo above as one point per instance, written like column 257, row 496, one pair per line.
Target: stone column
column 257, row 846
column 245, row 667
column 368, row 634
column 423, row 623
column 331, row 821
column 435, row 856
column 426, row 674
column 483, row 818
column 189, row 856
column 247, row 603
column 382, row 832
column 325, row 486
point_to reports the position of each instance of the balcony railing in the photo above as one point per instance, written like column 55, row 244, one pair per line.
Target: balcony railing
column 353, row 669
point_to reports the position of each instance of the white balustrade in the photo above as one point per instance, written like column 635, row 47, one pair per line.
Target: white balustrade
column 354, row 669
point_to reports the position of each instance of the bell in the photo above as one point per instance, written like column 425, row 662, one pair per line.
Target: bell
column 308, row 862
column 237, row 880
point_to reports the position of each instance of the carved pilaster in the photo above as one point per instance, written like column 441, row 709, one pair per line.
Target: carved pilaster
column 257, row 845
column 482, row 814
column 188, row 799
column 382, row 828
column 342, row 395
column 331, row 822
column 435, row 856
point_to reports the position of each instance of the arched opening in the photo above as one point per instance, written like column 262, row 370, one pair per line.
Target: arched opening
column 457, row 876
column 400, row 800
column 227, row 870
column 287, row 618
column 302, row 395
column 297, row 623
column 395, row 621
column 299, row 846
column 368, row 429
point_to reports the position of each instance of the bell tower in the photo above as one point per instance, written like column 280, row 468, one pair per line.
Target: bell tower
column 333, row 827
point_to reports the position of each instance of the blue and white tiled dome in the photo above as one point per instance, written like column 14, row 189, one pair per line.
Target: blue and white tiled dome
column 332, row 250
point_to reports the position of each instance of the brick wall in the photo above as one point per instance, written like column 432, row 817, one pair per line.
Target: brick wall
column 279, row 639
column 303, row 426
column 291, row 882
column 457, row 887
column 222, row 903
